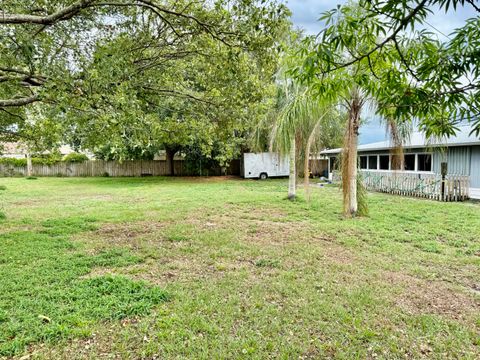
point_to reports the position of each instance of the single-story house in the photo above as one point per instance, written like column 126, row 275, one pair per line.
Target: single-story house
column 423, row 156
column 13, row 150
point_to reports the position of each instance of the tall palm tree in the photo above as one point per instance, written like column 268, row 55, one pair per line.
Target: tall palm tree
column 297, row 121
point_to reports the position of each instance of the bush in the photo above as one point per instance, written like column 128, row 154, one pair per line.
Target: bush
column 13, row 162
column 75, row 158
column 44, row 160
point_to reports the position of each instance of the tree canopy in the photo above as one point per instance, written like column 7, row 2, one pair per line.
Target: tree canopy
column 144, row 75
column 428, row 79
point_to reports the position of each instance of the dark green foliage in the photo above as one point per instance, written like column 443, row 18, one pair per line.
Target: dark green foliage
column 197, row 164
column 268, row 263
column 75, row 158
column 31, row 178
column 3, row 187
column 35, row 161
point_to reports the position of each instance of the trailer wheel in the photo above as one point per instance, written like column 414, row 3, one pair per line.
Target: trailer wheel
column 263, row 176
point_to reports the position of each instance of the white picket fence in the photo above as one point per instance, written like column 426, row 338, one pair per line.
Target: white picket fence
column 431, row 186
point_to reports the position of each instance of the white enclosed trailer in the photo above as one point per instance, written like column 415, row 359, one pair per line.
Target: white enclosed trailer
column 264, row 165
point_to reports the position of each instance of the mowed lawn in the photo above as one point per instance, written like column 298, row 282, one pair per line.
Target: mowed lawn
column 221, row 268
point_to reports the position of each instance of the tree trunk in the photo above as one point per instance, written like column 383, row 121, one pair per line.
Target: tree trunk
column 349, row 159
column 29, row 165
column 292, row 177
column 169, row 157
column 397, row 142
column 306, row 164
column 306, row 173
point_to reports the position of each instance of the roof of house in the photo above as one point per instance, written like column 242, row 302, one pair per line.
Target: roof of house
column 418, row 140
column 12, row 148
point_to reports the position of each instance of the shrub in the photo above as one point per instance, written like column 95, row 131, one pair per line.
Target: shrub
column 75, row 158
column 3, row 187
column 13, row 162
column 31, row 178
column 43, row 160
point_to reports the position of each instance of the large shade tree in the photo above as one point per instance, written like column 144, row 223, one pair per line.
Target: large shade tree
column 50, row 52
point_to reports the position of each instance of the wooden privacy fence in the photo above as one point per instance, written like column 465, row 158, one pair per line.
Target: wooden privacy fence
column 429, row 186
column 111, row 168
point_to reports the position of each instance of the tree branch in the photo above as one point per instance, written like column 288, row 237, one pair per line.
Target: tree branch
column 403, row 23
column 19, row 102
column 63, row 14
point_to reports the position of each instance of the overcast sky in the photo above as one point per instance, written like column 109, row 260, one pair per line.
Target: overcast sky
column 305, row 16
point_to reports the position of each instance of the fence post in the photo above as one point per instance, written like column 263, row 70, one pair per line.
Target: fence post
column 444, row 170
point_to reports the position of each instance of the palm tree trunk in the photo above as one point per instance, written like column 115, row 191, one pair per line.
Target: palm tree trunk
column 349, row 160
column 292, row 177
column 306, row 164
column 306, row 173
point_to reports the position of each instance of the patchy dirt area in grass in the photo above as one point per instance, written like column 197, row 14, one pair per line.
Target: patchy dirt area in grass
column 421, row 296
column 121, row 232
column 132, row 235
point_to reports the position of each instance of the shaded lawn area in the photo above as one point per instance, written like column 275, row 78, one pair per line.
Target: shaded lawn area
column 216, row 268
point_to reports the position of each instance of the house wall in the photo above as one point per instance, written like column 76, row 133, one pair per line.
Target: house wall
column 475, row 167
column 458, row 160
column 461, row 160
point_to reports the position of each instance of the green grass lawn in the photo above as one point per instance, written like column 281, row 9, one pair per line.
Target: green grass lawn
column 214, row 268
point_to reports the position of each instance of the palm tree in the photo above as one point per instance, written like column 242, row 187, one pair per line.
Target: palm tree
column 297, row 121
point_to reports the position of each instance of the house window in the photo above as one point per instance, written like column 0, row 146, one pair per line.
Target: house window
column 409, row 162
column 363, row 162
column 424, row 162
column 384, row 162
column 372, row 162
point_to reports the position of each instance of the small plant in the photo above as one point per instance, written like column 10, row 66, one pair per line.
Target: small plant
column 361, row 197
column 3, row 187
column 2, row 215
column 31, row 178
column 75, row 158
column 267, row 263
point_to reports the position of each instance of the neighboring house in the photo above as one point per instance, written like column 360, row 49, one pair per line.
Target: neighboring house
column 423, row 156
column 12, row 150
